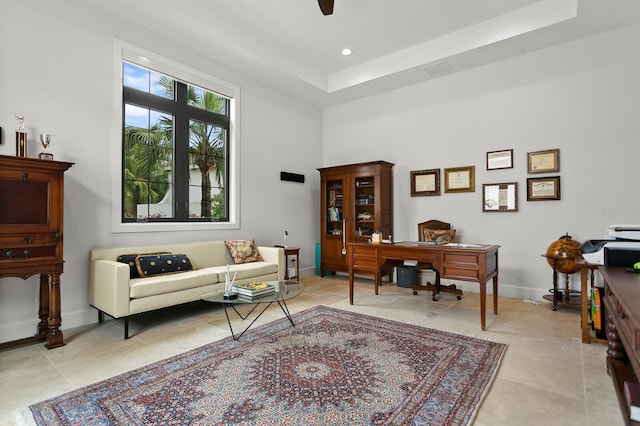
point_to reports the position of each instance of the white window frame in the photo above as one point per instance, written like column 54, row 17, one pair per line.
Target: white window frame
column 124, row 51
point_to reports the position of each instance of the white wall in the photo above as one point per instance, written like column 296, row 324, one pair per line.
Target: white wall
column 56, row 68
column 582, row 97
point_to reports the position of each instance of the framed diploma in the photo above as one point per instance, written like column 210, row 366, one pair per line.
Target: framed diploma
column 425, row 182
column 500, row 197
column 546, row 188
column 500, row 159
column 544, row 161
column 460, row 179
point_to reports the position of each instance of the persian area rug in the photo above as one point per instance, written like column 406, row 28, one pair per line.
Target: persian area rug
column 333, row 367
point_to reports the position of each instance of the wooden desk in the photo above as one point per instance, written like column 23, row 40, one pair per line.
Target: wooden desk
column 622, row 299
column 463, row 262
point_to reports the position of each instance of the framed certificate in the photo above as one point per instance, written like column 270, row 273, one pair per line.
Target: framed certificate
column 500, row 159
column 544, row 161
column 500, row 197
column 546, row 188
column 425, row 182
column 460, row 179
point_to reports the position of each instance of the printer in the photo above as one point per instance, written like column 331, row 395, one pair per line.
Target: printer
column 624, row 232
column 620, row 247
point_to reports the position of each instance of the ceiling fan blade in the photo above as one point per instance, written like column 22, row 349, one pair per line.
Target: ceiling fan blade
column 326, row 6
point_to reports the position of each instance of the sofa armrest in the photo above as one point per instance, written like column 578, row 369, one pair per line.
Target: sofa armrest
column 274, row 255
column 109, row 287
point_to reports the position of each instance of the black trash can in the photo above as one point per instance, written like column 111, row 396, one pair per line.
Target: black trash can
column 407, row 275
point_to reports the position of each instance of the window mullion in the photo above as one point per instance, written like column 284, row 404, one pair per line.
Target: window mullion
column 181, row 149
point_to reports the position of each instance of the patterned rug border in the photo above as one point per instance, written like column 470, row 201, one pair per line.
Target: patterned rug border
column 495, row 355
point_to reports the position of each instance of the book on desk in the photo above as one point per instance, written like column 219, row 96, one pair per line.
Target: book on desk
column 632, row 395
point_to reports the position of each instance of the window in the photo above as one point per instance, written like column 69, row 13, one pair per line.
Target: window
column 177, row 148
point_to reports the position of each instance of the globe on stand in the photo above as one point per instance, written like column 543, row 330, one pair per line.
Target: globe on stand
column 561, row 256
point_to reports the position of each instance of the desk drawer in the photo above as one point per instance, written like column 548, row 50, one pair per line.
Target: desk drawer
column 409, row 254
column 459, row 273
column 460, row 266
column 364, row 258
column 29, row 246
column 28, row 239
column 470, row 259
column 364, row 263
column 27, row 252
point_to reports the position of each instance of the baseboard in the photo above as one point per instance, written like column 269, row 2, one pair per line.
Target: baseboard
column 27, row 328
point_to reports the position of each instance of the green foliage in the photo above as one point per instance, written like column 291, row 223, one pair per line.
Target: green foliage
column 145, row 178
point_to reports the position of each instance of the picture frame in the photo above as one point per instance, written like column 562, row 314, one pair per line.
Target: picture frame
column 502, row 159
column 460, row 179
column 425, row 182
column 543, row 161
column 543, row 188
column 500, row 197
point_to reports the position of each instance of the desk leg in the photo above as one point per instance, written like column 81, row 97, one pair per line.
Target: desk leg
column 54, row 336
column 351, row 287
column 43, row 312
column 495, row 295
column 377, row 278
column 483, row 303
column 584, row 321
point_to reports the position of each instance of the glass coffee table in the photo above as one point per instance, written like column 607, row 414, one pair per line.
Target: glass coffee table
column 285, row 290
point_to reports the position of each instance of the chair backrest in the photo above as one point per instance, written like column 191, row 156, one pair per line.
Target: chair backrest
column 437, row 225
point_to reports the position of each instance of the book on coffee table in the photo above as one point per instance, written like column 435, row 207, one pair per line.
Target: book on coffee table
column 248, row 298
column 632, row 395
column 254, row 289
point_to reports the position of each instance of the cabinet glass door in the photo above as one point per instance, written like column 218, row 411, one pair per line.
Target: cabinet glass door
column 335, row 212
column 364, row 210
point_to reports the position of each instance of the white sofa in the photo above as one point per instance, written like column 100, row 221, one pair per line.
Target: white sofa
column 113, row 292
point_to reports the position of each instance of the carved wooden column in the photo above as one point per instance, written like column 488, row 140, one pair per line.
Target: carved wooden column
column 615, row 348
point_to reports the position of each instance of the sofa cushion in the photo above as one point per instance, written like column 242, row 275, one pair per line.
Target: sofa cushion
column 170, row 283
column 159, row 264
column 243, row 251
column 246, row 271
column 440, row 235
column 130, row 259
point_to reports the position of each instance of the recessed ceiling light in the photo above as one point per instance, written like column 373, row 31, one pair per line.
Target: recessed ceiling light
column 346, row 52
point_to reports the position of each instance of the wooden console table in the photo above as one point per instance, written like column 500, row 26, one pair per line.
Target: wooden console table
column 464, row 262
column 31, row 235
column 622, row 299
column 586, row 269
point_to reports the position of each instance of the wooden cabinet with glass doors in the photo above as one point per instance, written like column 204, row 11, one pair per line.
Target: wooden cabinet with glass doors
column 356, row 201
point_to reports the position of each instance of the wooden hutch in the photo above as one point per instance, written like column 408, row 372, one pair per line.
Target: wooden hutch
column 31, row 230
column 356, row 201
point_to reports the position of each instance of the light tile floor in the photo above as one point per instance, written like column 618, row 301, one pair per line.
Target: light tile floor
column 547, row 376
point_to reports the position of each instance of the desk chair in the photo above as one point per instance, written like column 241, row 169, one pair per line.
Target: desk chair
column 439, row 232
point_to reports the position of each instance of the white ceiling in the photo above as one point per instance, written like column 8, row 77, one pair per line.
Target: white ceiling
column 291, row 45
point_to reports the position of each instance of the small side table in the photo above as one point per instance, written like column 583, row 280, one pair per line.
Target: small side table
column 292, row 251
